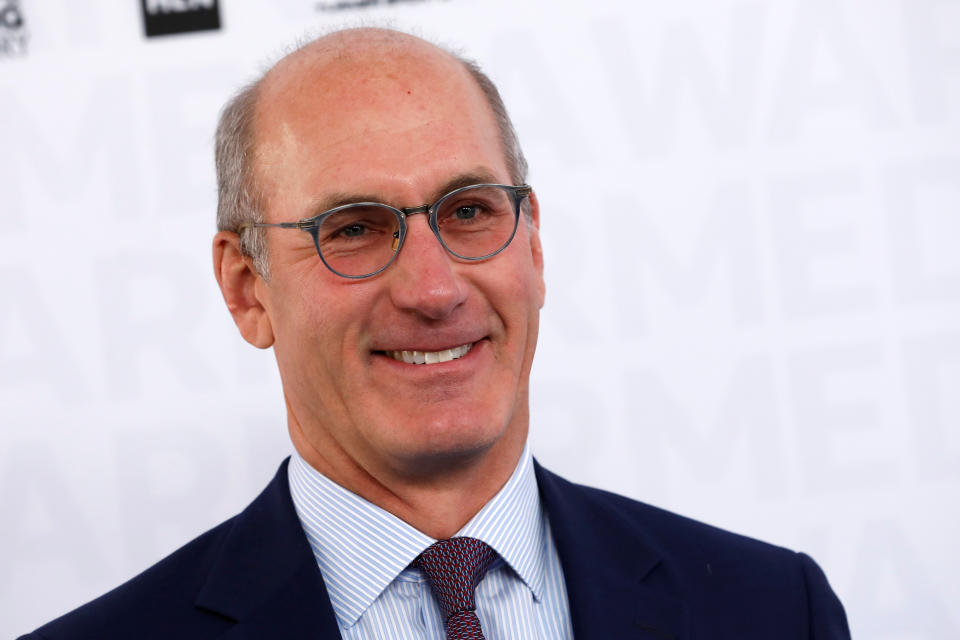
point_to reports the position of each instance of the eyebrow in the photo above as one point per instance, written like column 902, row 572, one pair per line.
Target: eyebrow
column 480, row 175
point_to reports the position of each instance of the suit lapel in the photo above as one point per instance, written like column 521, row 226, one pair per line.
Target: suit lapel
column 266, row 579
column 616, row 585
column 265, row 576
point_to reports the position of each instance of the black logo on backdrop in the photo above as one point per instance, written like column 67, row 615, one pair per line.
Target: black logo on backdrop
column 13, row 29
column 164, row 17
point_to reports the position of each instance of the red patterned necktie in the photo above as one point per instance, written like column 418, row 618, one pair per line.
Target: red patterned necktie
column 454, row 568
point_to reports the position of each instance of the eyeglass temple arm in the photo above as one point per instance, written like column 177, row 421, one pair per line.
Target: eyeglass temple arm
column 302, row 224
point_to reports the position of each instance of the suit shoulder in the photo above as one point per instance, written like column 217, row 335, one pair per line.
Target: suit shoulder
column 674, row 536
column 732, row 585
column 150, row 603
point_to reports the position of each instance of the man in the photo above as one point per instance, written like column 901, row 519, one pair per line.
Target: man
column 404, row 334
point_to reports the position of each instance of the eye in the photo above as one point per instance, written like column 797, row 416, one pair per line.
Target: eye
column 466, row 212
column 354, row 230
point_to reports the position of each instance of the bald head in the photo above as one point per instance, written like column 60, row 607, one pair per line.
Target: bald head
column 364, row 88
column 361, row 75
column 353, row 48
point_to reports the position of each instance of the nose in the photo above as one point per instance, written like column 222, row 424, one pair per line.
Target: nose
column 424, row 278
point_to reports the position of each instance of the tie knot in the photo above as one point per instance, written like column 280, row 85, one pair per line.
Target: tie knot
column 454, row 568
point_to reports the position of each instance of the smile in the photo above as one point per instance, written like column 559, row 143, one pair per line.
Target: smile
column 430, row 357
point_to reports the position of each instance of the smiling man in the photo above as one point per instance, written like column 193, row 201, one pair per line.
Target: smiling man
column 376, row 231
column 391, row 120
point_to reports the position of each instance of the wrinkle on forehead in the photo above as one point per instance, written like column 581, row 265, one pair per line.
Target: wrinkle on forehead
column 286, row 140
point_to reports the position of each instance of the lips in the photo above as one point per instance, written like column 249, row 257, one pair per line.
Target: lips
column 430, row 357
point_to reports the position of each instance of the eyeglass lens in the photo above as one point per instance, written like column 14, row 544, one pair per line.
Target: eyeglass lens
column 473, row 223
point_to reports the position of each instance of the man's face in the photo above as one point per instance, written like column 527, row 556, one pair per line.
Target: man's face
column 401, row 130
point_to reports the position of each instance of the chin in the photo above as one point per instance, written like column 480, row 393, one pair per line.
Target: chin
column 442, row 444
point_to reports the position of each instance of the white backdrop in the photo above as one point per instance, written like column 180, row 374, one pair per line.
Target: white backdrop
column 751, row 215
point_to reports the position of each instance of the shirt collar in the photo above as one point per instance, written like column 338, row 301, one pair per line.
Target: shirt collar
column 361, row 548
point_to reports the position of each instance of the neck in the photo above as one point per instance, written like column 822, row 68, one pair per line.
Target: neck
column 437, row 495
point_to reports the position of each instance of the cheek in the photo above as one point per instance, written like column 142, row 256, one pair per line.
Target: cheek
column 528, row 284
column 519, row 296
column 303, row 328
column 308, row 301
column 329, row 324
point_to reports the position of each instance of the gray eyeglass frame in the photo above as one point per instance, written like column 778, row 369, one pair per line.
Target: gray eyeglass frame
column 312, row 224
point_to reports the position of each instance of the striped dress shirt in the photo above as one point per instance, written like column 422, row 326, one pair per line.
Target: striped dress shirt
column 365, row 556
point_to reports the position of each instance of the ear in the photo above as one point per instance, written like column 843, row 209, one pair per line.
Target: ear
column 242, row 288
column 536, row 249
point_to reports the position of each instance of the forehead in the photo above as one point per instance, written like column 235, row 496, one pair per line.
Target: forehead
column 352, row 114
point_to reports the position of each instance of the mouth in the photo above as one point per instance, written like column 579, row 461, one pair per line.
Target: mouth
column 430, row 357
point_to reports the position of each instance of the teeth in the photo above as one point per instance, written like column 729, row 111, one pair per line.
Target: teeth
column 430, row 357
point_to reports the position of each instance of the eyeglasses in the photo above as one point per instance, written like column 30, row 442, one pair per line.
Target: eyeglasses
column 361, row 239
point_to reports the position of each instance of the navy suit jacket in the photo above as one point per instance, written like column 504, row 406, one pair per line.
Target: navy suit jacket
column 631, row 570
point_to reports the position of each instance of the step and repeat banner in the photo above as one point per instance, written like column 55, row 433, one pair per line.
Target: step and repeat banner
column 751, row 222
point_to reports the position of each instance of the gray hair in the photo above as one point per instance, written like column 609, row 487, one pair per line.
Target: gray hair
column 240, row 198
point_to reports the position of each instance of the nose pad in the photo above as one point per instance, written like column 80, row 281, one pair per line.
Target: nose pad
column 396, row 241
